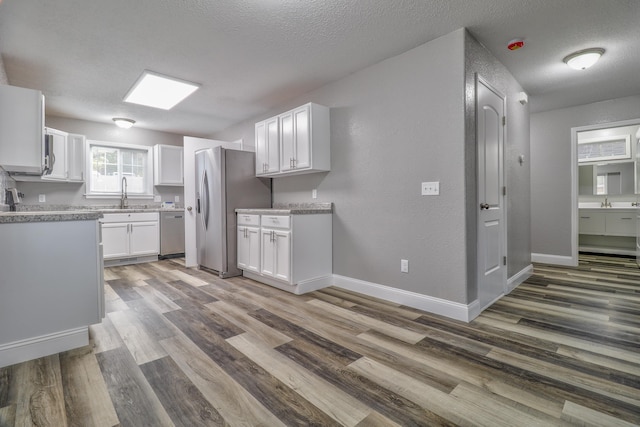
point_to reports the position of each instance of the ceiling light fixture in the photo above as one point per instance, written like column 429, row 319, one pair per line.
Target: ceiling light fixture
column 584, row 59
column 158, row 91
column 123, row 123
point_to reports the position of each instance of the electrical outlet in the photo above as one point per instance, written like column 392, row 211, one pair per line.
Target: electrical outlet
column 42, row 198
column 431, row 188
column 176, row 199
column 404, row 265
column 157, row 199
column 314, row 193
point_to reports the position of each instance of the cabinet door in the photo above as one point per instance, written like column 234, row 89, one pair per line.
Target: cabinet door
column 267, row 253
column 249, row 249
column 621, row 223
column 243, row 248
column 169, row 165
column 287, row 142
column 282, row 254
column 262, row 154
column 59, row 156
column 591, row 223
column 302, row 137
column 115, row 240
column 75, row 157
column 267, row 148
column 144, row 238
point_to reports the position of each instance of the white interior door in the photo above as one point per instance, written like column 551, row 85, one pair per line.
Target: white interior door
column 191, row 145
column 491, row 223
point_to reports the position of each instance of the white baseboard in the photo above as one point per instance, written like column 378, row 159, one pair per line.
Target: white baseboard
column 301, row 288
column 554, row 259
column 45, row 345
column 521, row 276
column 454, row 310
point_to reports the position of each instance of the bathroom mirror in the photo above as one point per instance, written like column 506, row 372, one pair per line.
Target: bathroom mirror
column 606, row 165
column 607, row 178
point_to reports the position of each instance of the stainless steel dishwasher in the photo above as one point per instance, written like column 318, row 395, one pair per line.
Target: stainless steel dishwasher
column 171, row 233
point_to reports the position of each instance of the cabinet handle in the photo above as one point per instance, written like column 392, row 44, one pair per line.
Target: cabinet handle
column 585, row 217
column 626, row 218
column 295, row 163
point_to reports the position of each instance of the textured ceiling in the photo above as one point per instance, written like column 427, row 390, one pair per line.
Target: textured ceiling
column 252, row 55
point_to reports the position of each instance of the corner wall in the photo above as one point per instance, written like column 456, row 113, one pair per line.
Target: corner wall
column 551, row 168
column 517, row 177
column 393, row 125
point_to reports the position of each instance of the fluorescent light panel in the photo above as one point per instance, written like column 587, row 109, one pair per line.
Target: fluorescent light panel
column 158, row 91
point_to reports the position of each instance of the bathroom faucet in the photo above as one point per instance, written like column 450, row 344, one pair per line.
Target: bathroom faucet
column 123, row 197
column 605, row 204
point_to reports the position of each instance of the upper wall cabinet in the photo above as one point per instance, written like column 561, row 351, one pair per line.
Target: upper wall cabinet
column 169, row 166
column 295, row 142
column 67, row 156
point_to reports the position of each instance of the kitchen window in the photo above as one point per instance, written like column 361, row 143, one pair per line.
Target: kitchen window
column 109, row 162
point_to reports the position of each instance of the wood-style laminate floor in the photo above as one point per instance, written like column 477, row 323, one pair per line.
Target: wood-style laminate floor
column 183, row 347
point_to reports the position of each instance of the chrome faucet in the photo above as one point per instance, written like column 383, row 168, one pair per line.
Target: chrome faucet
column 605, row 204
column 123, row 198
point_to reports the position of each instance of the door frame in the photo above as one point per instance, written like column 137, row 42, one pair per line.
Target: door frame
column 575, row 235
column 505, row 275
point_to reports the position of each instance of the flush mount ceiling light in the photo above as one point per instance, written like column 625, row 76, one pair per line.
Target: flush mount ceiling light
column 123, row 123
column 158, row 91
column 583, row 59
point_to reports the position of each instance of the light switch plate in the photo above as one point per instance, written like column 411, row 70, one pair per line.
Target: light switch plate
column 314, row 194
column 431, row 188
column 176, row 199
column 404, row 265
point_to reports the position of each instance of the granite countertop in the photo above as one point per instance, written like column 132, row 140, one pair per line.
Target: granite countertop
column 12, row 217
column 72, row 213
column 291, row 209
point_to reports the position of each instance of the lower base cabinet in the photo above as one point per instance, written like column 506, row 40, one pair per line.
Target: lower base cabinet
column 52, row 287
column 608, row 230
column 127, row 236
column 290, row 252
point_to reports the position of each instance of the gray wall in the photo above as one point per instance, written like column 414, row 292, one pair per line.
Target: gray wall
column 394, row 125
column 73, row 193
column 5, row 181
column 518, row 201
column 551, row 168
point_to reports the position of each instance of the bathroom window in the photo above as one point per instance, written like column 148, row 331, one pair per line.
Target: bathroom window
column 605, row 148
column 108, row 163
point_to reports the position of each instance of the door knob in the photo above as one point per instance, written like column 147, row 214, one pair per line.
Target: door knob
column 189, row 208
column 484, row 206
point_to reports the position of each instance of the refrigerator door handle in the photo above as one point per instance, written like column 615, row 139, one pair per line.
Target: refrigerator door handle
column 205, row 199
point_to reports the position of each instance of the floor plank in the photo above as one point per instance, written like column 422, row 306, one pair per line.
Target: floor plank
column 182, row 346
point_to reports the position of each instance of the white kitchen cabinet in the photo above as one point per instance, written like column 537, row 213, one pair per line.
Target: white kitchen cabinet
column 21, row 129
column 294, row 251
column 276, row 254
column 75, row 157
column 168, row 165
column 249, row 242
column 267, row 147
column 66, row 156
column 58, row 156
column 130, row 237
column 303, row 142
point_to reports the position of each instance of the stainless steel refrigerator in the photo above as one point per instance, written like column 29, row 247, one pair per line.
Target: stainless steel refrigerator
column 225, row 181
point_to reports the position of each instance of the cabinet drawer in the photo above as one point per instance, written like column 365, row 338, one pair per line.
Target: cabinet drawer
column 591, row 223
column 247, row 219
column 621, row 223
column 276, row 221
column 130, row 217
